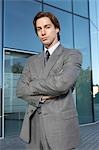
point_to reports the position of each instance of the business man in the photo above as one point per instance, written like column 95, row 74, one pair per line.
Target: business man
column 46, row 83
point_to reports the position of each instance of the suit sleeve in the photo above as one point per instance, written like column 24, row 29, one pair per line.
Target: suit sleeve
column 62, row 81
column 23, row 89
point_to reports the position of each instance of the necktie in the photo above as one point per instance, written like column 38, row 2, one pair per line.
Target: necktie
column 47, row 54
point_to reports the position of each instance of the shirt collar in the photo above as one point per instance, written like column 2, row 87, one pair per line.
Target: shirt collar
column 52, row 49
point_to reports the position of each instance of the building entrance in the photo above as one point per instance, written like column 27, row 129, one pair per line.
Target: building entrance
column 13, row 107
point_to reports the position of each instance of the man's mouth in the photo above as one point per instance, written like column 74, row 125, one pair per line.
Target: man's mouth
column 44, row 39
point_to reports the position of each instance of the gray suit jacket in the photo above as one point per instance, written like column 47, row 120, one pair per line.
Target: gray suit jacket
column 57, row 79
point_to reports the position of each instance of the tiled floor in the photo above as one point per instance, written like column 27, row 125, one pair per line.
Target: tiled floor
column 89, row 140
column 89, row 137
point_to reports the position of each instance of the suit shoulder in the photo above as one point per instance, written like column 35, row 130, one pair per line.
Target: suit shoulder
column 73, row 53
column 32, row 58
column 68, row 51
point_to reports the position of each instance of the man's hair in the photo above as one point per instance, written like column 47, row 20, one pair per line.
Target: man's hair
column 53, row 19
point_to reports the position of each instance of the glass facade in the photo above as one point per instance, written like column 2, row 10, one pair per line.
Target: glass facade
column 80, row 7
column 62, row 4
column 65, row 19
column 79, row 29
column 94, row 29
column 1, row 75
column 18, row 27
column 14, row 108
column 84, row 98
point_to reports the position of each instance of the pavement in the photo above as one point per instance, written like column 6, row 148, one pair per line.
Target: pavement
column 89, row 139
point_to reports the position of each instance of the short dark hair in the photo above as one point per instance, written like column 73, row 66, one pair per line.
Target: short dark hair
column 52, row 17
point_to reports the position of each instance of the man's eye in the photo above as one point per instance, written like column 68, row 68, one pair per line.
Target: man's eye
column 48, row 27
column 38, row 29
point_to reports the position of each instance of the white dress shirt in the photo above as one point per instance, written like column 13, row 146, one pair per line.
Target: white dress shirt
column 51, row 50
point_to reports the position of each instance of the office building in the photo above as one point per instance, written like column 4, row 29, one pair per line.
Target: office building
column 79, row 29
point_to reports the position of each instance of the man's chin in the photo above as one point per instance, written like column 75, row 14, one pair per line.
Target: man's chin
column 46, row 43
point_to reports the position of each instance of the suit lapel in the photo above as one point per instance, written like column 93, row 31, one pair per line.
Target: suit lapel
column 52, row 60
column 41, row 64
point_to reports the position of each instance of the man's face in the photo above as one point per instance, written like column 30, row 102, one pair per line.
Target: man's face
column 47, row 32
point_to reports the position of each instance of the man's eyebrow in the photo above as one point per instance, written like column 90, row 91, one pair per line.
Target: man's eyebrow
column 38, row 27
column 47, row 25
column 44, row 26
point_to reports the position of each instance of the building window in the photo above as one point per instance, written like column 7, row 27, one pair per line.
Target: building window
column 80, row 7
column 84, row 96
column 14, row 108
column 18, row 28
column 63, row 4
column 65, row 19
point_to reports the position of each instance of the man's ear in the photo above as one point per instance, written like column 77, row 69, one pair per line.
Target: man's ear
column 57, row 30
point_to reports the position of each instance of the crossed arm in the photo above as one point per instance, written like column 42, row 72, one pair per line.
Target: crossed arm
column 52, row 85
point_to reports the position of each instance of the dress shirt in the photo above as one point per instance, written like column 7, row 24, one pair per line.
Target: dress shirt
column 51, row 50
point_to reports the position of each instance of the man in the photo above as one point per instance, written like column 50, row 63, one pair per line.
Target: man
column 50, row 122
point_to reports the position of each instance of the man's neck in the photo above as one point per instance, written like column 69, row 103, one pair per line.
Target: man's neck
column 51, row 49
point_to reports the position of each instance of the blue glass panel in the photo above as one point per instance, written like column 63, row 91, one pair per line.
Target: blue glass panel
column 93, row 11
column 65, row 20
column 0, row 42
column 95, row 68
column 80, row 7
column 0, row 128
column 0, row 66
column 95, row 54
column 84, row 97
column 64, row 4
column 14, row 108
column 18, row 29
column 0, row 112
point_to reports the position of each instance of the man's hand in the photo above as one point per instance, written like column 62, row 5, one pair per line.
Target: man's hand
column 45, row 98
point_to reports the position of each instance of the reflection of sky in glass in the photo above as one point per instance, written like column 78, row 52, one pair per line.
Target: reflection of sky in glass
column 80, row 7
column 95, row 41
column 19, row 32
column 64, row 4
column 81, row 34
column 12, row 58
column 98, row 14
column 65, row 20
column 0, row 42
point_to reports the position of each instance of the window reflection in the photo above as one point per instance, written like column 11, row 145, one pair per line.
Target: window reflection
column 0, row 42
column 81, row 38
column 64, row 4
column 93, row 11
column 14, row 108
column 65, row 19
column 18, row 28
column 0, row 67
column 0, row 112
column 80, row 7
column 0, row 127
column 96, row 101
column 95, row 66
column 84, row 97
column 95, row 56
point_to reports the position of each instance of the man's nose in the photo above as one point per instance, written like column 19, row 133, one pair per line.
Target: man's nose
column 43, row 32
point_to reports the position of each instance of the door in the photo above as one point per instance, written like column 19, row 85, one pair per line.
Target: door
column 14, row 108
